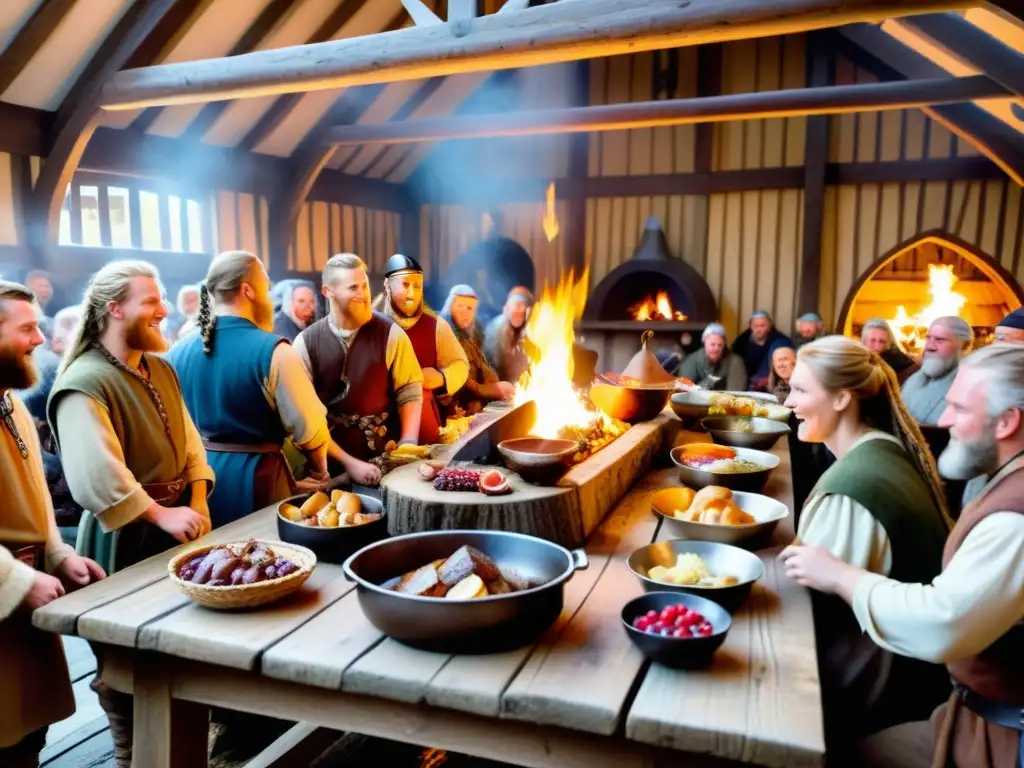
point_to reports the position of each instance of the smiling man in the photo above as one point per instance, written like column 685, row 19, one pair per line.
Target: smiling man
column 949, row 339
column 131, row 454
column 444, row 363
column 33, row 671
column 363, row 369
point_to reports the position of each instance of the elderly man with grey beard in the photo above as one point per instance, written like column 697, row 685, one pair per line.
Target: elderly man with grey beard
column 949, row 339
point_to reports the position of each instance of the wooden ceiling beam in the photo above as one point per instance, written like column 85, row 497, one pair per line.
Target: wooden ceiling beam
column 283, row 106
column 79, row 118
column 973, row 46
column 265, row 23
column 30, row 38
column 827, row 100
column 887, row 58
column 556, row 32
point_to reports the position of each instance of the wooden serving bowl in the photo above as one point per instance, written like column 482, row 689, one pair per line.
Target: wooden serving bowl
column 234, row 597
column 538, row 460
column 630, row 404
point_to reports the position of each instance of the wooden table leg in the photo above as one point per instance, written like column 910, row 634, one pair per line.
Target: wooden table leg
column 168, row 733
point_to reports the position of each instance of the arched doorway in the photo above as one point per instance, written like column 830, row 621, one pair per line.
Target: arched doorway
column 930, row 271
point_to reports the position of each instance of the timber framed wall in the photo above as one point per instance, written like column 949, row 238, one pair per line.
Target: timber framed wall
column 731, row 196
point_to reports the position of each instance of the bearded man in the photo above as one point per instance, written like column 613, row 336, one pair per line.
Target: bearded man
column 756, row 345
column 364, row 370
column 298, row 308
column 971, row 616
column 247, row 392
column 506, row 345
column 713, row 366
column 949, row 339
column 131, row 454
column 440, row 355
column 33, row 670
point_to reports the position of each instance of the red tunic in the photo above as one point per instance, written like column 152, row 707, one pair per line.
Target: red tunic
column 423, row 336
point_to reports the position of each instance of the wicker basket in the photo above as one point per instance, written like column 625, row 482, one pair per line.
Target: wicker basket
column 245, row 595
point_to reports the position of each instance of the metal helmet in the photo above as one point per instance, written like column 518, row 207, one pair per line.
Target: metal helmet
column 400, row 264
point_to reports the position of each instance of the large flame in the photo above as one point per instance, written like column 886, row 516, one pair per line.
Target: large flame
column 549, row 381
column 657, row 308
column 910, row 330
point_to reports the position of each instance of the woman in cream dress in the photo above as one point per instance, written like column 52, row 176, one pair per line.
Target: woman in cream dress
column 879, row 507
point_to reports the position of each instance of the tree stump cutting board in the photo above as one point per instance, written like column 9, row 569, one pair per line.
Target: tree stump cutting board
column 565, row 513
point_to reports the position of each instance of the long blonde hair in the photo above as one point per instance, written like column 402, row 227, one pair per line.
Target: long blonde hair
column 223, row 281
column 841, row 363
column 110, row 284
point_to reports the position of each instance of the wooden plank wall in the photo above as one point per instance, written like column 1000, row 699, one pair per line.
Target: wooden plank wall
column 324, row 229
column 747, row 245
column 239, row 223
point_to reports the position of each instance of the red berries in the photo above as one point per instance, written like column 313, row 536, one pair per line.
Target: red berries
column 674, row 621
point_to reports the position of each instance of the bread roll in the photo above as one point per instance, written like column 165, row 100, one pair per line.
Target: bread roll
column 733, row 515
column 314, row 504
column 348, row 505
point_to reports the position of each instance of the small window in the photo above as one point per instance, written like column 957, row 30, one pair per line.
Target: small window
column 90, row 197
column 149, row 209
column 120, row 217
column 195, row 226
column 65, row 219
column 174, row 209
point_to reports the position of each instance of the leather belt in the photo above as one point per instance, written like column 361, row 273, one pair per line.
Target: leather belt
column 163, row 493
column 212, row 445
column 30, row 554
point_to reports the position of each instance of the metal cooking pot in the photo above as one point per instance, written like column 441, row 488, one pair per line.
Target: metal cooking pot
column 481, row 625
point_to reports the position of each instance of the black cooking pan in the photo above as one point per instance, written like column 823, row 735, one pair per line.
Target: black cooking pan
column 480, row 625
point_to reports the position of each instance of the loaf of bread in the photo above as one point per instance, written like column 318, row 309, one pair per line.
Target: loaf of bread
column 714, row 505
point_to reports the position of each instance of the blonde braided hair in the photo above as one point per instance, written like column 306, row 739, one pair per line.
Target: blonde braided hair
column 223, row 281
column 111, row 283
column 841, row 363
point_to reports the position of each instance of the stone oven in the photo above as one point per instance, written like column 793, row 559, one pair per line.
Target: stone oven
column 627, row 301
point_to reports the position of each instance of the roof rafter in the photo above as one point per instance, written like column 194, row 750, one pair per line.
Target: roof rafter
column 556, row 32
column 30, row 38
column 283, row 105
column 991, row 136
column 80, row 115
column 974, row 46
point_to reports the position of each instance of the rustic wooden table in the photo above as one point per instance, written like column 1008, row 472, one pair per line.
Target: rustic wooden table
column 582, row 696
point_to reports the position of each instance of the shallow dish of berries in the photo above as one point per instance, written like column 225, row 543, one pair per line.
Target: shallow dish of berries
column 676, row 630
column 227, row 596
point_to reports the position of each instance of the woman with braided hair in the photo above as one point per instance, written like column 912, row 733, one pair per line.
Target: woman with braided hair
column 880, row 507
column 248, row 392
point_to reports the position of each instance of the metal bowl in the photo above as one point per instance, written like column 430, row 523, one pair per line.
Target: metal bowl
column 761, row 434
column 630, row 404
column 536, row 459
column 753, row 482
column 334, row 545
column 721, row 559
column 694, row 405
column 764, row 509
column 677, row 652
column 482, row 625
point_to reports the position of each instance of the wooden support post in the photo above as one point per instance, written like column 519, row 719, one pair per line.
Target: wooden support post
column 826, row 100
column 554, row 33
column 820, row 72
column 709, row 83
column 168, row 732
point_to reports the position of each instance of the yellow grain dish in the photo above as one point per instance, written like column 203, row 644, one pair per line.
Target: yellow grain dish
column 689, row 571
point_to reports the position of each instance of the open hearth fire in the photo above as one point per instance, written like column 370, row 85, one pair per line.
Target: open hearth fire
column 910, row 331
column 562, row 412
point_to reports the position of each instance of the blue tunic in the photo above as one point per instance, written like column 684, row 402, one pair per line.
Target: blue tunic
column 225, row 393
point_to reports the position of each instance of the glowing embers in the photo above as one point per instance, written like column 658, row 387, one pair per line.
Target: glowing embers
column 657, row 308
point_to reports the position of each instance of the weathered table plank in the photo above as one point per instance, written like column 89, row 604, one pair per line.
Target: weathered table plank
column 764, row 680
column 237, row 639
column 583, row 680
column 61, row 616
column 319, row 652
